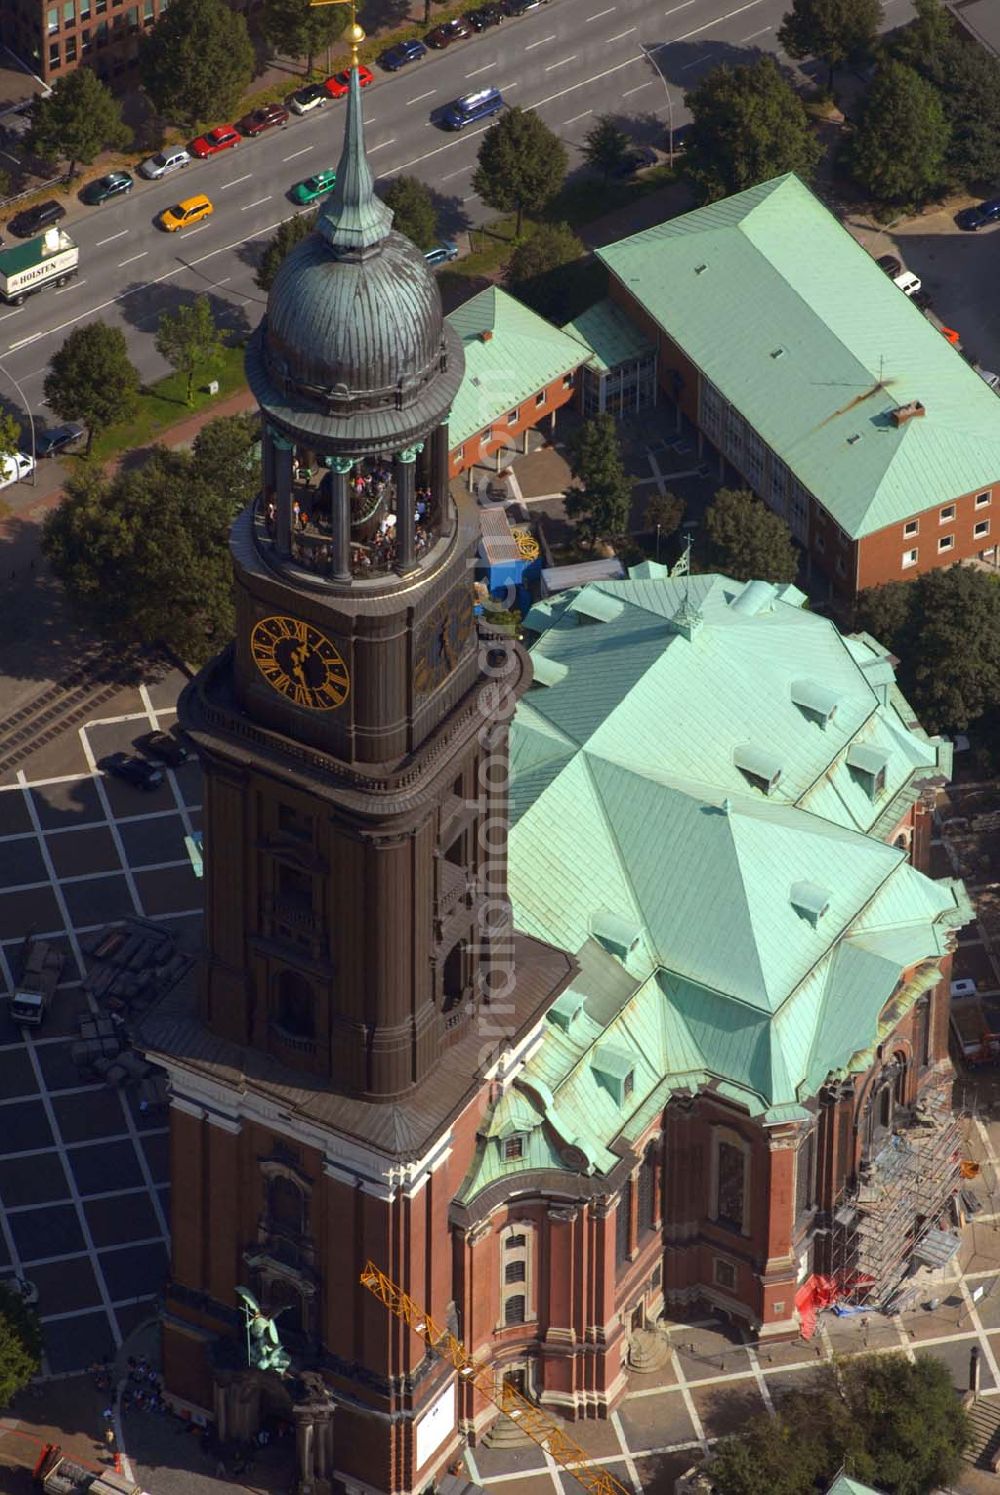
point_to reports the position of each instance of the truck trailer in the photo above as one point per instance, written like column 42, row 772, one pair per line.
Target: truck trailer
column 41, row 967
column 51, row 259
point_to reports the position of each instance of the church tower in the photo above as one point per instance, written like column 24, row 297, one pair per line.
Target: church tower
column 328, row 1077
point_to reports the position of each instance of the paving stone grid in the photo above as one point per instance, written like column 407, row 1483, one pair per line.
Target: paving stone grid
column 84, row 1177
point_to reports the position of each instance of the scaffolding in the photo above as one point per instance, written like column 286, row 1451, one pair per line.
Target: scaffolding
column 900, row 1200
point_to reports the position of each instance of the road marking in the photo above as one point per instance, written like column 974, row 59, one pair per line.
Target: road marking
column 461, row 172
column 718, row 20
column 373, row 148
column 471, row 198
column 673, row 12
column 420, row 96
column 236, row 181
column 303, row 152
column 120, row 235
column 123, row 263
column 477, row 70
column 531, row 45
column 576, row 117
column 598, row 14
column 16, row 312
column 762, row 32
column 222, row 282
column 74, row 287
column 630, row 91
column 552, row 66
column 618, row 35
column 248, row 205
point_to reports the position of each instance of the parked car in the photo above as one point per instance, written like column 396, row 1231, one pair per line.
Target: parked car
column 16, row 468
column 636, row 160
column 313, row 96
column 115, row 184
column 890, row 264
column 31, row 221
column 165, row 746
column 138, row 772
column 186, row 212
column 313, row 187
column 677, row 139
column 393, row 58
column 338, row 85
column 222, row 138
column 908, row 283
column 520, row 7
column 485, row 17
column 165, row 162
column 57, row 439
column 988, row 377
column 442, row 253
column 265, row 118
column 451, row 31
column 979, row 216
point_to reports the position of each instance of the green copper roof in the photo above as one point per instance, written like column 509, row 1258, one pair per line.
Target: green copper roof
column 610, row 336
column 827, row 348
column 729, row 936
column 510, row 354
column 352, row 218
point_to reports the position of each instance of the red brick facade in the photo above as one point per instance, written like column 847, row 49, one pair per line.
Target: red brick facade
column 510, row 425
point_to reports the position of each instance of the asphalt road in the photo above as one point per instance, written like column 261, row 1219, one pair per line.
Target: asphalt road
column 570, row 60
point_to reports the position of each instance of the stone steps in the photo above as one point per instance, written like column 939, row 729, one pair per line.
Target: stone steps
column 63, row 705
column 984, row 1450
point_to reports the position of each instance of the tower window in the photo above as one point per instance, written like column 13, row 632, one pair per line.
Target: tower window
column 453, row 981
column 731, row 1164
column 292, row 823
column 513, row 1148
column 515, row 1243
column 285, row 1205
column 515, row 1271
column 513, row 1309
column 294, row 886
column 296, row 1005
column 622, row 1224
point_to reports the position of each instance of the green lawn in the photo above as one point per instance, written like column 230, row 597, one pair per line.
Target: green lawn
column 163, row 405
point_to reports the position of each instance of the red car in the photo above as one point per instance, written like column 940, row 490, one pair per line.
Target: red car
column 448, row 32
column 222, row 138
column 337, row 86
column 263, row 119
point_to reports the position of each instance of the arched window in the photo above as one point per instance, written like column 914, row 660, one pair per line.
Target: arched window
column 286, row 1205
column 453, row 983
column 285, row 1296
column 647, row 1188
column 622, row 1216
column 296, row 1005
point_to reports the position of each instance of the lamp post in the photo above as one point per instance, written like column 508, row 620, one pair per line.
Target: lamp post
column 649, row 54
column 657, row 544
column 31, row 423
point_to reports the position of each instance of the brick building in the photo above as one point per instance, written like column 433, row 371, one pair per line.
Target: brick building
column 557, row 1019
column 813, row 378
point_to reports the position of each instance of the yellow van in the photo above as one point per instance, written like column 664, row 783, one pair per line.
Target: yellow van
column 183, row 214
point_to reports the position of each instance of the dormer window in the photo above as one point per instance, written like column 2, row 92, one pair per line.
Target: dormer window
column 869, row 766
column 614, row 1071
column 762, row 768
column 513, row 1148
column 809, row 900
column 817, row 702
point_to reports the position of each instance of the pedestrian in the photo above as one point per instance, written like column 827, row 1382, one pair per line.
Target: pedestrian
column 108, row 1414
column 109, row 1438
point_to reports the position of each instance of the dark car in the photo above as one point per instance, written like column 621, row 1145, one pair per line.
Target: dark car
column 980, row 216
column 450, row 31
column 33, row 220
column 165, row 746
column 259, row 120
column 890, row 264
column 635, row 160
column 57, row 439
column 485, row 17
column 520, row 7
column 403, row 52
column 136, row 771
column 115, row 184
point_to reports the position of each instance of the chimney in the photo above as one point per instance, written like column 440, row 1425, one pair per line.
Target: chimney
column 903, row 413
column 486, row 334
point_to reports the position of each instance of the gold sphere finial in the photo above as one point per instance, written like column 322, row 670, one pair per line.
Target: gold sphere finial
column 357, row 36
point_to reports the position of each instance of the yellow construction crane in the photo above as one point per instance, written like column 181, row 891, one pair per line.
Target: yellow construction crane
column 549, row 1435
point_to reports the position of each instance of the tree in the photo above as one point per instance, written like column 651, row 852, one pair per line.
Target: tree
column 747, row 540
column 944, row 627
column 605, row 146
column 197, row 61
column 413, row 210
column 189, row 339
column 10, row 434
column 748, row 125
column 797, row 1450
column 280, row 244
column 226, row 458
column 536, row 270
column 834, row 30
column 897, row 152
column 601, row 504
column 91, row 378
column 297, row 28
column 663, row 514
column 79, row 119
column 143, row 557
column 522, row 165
column 913, row 1424
column 20, row 1344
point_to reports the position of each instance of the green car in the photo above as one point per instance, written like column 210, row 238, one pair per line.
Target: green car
column 116, row 184
column 313, row 187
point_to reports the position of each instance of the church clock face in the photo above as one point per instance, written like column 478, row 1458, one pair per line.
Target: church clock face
column 300, row 663
column 442, row 642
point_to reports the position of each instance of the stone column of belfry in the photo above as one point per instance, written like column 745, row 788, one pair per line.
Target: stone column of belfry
column 283, row 493
column 340, row 516
column 406, row 499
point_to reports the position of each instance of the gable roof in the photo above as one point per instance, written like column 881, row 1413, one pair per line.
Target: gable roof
column 520, row 355
column 826, row 349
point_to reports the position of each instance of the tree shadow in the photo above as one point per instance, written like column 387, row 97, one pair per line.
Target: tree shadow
column 452, row 217
column 682, row 65
column 143, row 305
column 384, row 15
column 39, row 632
